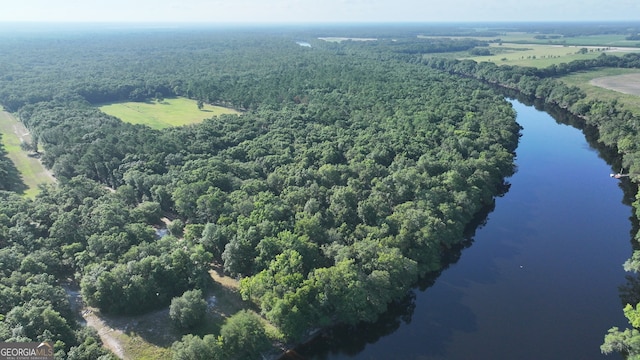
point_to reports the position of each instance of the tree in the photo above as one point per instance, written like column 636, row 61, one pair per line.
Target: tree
column 625, row 342
column 27, row 146
column 200, row 104
column 196, row 348
column 38, row 321
column 176, row 227
column 188, row 310
column 148, row 212
column 244, row 336
column 213, row 239
column 90, row 347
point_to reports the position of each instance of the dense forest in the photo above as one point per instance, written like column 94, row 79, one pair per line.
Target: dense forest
column 352, row 170
column 344, row 180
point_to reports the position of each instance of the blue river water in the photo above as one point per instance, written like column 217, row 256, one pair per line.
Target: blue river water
column 541, row 278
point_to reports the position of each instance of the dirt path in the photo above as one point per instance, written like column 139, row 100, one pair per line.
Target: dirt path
column 105, row 332
column 108, row 335
column 128, row 337
column 151, row 335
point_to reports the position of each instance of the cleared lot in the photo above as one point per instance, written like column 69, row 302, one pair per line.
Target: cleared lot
column 627, row 83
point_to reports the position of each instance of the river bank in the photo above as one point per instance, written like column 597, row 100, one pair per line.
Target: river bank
column 539, row 281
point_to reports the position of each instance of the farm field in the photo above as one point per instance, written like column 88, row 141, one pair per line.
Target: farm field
column 169, row 112
column 554, row 39
column 542, row 50
column 541, row 56
column 32, row 171
column 627, row 83
column 517, row 37
column 607, row 84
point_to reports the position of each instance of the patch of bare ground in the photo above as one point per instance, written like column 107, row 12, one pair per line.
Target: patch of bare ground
column 107, row 334
column 151, row 335
column 627, row 83
column 227, row 294
column 147, row 336
column 217, row 274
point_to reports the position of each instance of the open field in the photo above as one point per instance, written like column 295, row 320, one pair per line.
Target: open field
column 341, row 39
column 542, row 50
column 516, row 37
column 590, row 82
column 627, row 83
column 612, row 40
column 32, row 171
column 170, row 112
column 541, row 56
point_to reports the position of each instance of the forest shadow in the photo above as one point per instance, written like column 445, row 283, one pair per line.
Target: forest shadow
column 10, row 177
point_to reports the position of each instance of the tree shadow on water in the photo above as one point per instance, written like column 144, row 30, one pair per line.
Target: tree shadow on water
column 436, row 326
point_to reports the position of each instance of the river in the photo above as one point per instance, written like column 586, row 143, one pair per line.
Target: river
column 540, row 279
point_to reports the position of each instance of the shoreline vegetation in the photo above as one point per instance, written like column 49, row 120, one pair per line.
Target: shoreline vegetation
column 354, row 167
column 608, row 116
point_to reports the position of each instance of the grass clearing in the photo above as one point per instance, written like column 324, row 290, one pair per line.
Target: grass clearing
column 146, row 336
column 167, row 113
column 32, row 171
column 585, row 81
column 150, row 336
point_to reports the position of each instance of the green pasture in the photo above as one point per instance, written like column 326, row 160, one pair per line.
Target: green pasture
column 32, row 171
column 169, row 112
column 582, row 80
column 539, row 56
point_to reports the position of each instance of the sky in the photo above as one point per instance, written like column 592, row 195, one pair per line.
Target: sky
column 317, row 11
